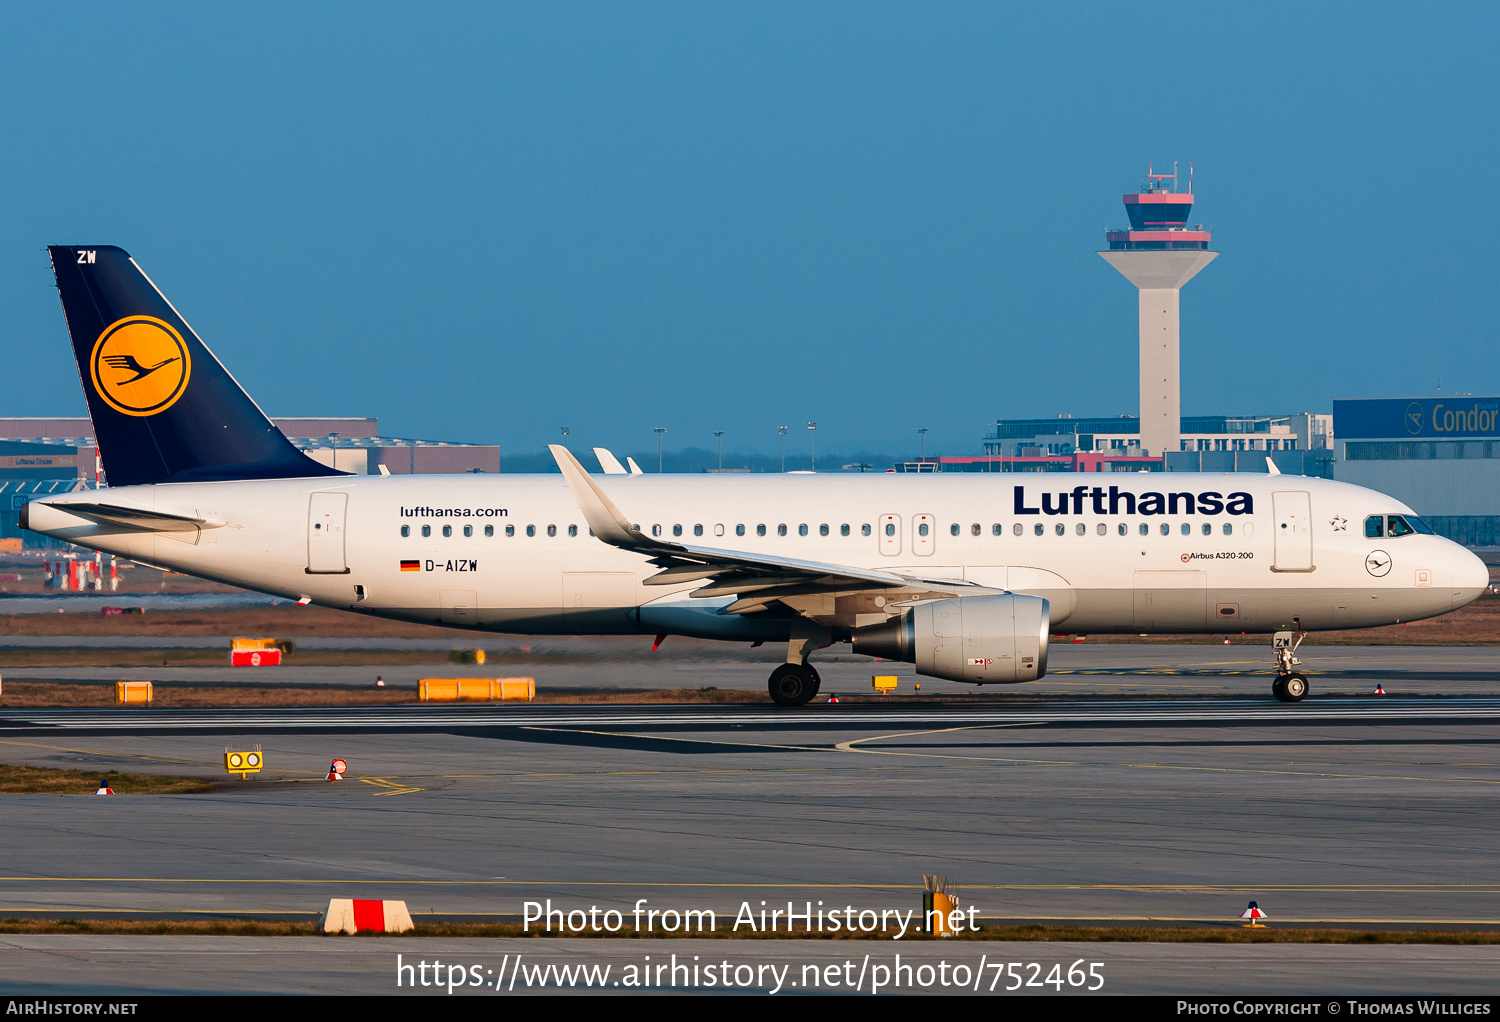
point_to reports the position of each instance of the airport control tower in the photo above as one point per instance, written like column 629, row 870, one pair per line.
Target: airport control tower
column 1159, row 254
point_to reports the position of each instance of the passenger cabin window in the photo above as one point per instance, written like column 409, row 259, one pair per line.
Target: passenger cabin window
column 468, row 530
column 1166, row 530
column 1102, row 529
column 489, row 530
column 1059, row 528
column 922, row 529
column 552, row 530
column 1228, row 529
column 844, row 529
column 697, row 530
column 739, row 530
column 995, row 529
column 656, row 530
column 1124, row 528
column 760, row 530
column 1038, row 528
column 447, row 531
column 1375, row 526
column 677, row 530
column 1187, row 529
column 890, row 528
column 802, row 530
column 718, row 530
column 864, row 530
column 781, row 530
column 1208, row 529
column 510, row 530
column 1145, row 529
column 572, row 530
column 405, row 531
column 426, row 531
column 1080, row 528
column 953, row 529
column 530, row 530
column 1017, row 528
column 975, row 529
column 822, row 530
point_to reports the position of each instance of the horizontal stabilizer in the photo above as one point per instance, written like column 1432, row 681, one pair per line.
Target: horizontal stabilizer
column 135, row 518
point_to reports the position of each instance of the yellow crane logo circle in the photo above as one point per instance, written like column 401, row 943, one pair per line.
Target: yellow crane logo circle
column 140, row 365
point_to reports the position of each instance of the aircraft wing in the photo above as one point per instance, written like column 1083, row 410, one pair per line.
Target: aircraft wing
column 758, row 579
column 135, row 518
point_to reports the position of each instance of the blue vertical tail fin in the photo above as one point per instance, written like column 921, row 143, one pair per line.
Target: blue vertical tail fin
column 164, row 409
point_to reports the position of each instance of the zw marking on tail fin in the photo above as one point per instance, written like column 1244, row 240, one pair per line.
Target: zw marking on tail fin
column 164, row 409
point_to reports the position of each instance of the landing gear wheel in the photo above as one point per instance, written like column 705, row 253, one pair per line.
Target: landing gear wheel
column 793, row 684
column 1278, row 689
column 817, row 681
column 1295, row 687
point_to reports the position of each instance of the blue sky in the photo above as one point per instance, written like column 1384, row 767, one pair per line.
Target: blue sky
column 485, row 222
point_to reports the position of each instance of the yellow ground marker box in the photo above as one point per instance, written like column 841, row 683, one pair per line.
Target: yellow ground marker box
column 475, row 689
column 133, row 692
column 884, row 683
column 243, row 763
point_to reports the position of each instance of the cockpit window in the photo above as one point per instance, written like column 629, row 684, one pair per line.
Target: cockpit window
column 1419, row 525
column 1375, row 526
column 1397, row 526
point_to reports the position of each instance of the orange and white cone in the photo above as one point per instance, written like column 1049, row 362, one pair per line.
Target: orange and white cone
column 337, row 769
column 1379, row 689
column 1254, row 914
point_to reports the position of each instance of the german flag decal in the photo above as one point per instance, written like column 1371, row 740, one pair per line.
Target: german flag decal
column 411, row 565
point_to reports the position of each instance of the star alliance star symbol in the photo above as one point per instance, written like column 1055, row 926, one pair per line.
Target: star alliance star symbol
column 1338, row 522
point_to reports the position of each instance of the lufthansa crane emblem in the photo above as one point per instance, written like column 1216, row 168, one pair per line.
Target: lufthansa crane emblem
column 1378, row 563
column 140, row 365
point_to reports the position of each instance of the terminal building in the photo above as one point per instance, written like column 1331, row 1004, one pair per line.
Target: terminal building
column 1300, row 444
column 1438, row 455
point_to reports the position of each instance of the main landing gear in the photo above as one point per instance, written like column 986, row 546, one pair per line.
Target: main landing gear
column 795, row 682
column 1290, row 686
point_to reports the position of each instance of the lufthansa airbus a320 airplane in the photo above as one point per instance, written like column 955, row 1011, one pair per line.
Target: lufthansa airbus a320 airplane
column 963, row 575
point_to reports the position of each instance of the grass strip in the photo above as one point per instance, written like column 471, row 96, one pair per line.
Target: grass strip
column 1225, row 934
column 24, row 780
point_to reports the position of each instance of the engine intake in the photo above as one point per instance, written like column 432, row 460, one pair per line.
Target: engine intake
column 978, row 639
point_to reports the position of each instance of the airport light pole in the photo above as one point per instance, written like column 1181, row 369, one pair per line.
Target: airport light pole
column 782, row 431
column 658, row 430
column 720, row 434
column 812, row 432
column 923, row 434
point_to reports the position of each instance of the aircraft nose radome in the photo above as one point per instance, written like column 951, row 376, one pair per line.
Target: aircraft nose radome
column 1471, row 576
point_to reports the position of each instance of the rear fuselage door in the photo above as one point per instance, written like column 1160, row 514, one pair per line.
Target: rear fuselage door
column 890, row 535
column 1294, row 540
column 325, row 534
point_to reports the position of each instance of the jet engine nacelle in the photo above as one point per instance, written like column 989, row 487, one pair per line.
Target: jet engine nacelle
column 978, row 639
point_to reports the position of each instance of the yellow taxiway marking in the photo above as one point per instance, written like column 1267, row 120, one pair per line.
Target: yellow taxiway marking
column 1468, row 889
column 392, row 787
column 103, row 752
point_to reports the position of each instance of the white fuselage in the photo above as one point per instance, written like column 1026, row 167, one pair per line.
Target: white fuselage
column 514, row 554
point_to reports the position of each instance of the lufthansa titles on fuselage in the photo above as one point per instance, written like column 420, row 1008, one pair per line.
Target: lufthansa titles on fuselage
column 1115, row 501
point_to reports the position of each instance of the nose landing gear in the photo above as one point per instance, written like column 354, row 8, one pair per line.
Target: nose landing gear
column 1290, row 686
